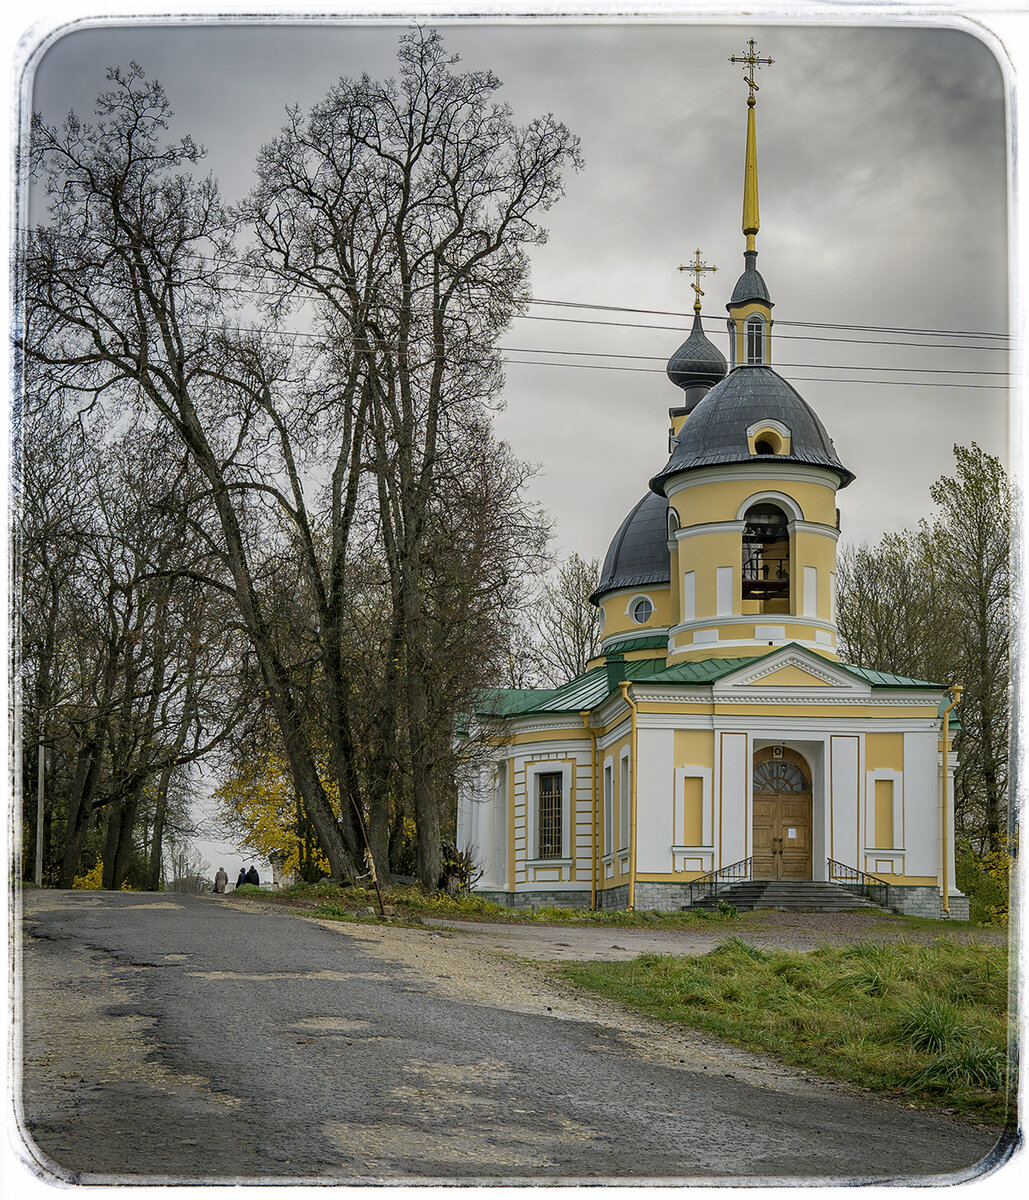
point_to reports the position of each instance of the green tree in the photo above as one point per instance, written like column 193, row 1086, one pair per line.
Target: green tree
column 935, row 603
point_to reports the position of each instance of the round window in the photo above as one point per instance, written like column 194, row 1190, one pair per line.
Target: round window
column 641, row 611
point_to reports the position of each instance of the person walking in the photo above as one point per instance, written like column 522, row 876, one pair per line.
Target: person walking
column 253, row 877
column 242, row 877
column 221, row 880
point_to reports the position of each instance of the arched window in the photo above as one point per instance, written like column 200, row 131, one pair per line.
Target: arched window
column 755, row 339
column 766, row 558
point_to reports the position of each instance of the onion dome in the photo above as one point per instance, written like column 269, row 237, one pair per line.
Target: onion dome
column 697, row 361
column 717, row 431
column 638, row 553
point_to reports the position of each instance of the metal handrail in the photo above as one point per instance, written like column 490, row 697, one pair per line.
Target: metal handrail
column 708, row 885
column 855, row 880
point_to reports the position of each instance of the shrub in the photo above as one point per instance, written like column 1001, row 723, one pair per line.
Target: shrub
column 985, row 880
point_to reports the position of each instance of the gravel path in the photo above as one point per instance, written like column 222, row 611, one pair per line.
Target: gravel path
column 767, row 929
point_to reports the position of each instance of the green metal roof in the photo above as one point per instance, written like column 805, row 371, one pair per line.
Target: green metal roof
column 887, row 679
column 655, row 642
column 590, row 690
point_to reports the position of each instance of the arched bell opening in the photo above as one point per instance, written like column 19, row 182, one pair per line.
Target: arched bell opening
column 783, row 819
column 766, row 559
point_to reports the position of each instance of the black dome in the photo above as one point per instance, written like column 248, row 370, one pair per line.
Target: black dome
column 697, row 360
column 638, row 553
column 716, row 432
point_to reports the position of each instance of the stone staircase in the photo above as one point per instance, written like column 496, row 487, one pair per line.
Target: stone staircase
column 793, row 896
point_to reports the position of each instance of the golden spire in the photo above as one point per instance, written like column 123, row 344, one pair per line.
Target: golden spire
column 697, row 268
column 751, row 220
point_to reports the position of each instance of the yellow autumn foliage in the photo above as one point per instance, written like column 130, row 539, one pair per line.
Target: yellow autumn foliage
column 258, row 800
column 94, row 880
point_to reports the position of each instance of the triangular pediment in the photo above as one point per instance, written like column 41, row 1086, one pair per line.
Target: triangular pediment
column 792, row 669
column 789, row 676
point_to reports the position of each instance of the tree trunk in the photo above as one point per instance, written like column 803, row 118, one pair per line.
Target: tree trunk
column 80, row 812
column 154, row 873
column 423, row 791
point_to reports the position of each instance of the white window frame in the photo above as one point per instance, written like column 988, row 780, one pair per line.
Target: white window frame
column 624, row 799
column 532, row 773
column 755, row 324
column 631, row 609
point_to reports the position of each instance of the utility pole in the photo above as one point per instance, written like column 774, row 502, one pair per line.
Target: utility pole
column 41, row 753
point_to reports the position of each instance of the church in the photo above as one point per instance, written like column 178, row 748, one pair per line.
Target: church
column 718, row 747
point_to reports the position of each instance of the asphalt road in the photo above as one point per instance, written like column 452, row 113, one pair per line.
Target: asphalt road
column 178, row 1039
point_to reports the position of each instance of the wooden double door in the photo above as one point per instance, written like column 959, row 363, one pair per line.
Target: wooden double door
column 782, row 815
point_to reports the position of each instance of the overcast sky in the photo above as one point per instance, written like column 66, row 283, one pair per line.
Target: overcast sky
column 883, row 185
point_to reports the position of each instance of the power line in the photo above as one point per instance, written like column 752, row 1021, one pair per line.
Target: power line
column 803, row 337
column 997, row 387
column 657, row 312
column 790, row 366
column 227, row 270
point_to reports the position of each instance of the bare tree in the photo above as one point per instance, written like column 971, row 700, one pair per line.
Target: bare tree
column 568, row 625
column 400, row 212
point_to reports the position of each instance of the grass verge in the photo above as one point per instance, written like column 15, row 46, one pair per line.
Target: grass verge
column 926, row 1022
column 405, row 901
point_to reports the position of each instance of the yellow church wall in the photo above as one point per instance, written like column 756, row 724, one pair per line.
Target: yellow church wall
column 720, row 500
column 883, row 801
column 573, row 732
column 788, row 677
column 812, row 711
column 813, row 550
column 703, row 554
column 694, row 747
column 618, row 620
column 795, row 631
column 885, row 751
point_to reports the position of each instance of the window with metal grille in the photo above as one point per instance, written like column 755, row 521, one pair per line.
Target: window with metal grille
column 550, row 817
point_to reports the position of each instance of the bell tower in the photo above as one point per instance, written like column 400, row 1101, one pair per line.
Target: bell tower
column 751, row 484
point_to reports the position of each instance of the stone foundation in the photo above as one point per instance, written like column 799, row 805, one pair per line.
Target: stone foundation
column 559, row 899
column 920, row 900
column 923, row 900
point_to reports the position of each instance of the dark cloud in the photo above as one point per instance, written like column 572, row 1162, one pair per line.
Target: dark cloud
column 883, row 202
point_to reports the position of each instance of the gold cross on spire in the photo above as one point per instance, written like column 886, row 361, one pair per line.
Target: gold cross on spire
column 697, row 268
column 753, row 62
